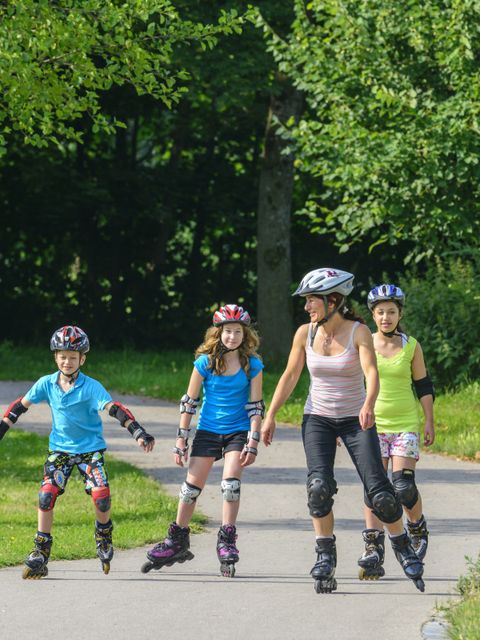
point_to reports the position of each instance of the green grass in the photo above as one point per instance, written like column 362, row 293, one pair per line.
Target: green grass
column 464, row 616
column 141, row 511
column 456, row 422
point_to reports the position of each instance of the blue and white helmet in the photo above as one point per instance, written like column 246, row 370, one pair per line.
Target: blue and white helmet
column 385, row 293
column 322, row 282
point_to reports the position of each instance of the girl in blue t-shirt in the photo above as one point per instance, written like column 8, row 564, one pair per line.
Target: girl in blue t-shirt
column 229, row 370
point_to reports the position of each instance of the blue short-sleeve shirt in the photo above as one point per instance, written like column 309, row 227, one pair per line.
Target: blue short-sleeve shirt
column 224, row 397
column 76, row 424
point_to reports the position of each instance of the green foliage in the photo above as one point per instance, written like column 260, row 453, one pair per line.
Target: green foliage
column 141, row 511
column 456, row 422
column 56, row 60
column 463, row 616
column 392, row 127
column 442, row 311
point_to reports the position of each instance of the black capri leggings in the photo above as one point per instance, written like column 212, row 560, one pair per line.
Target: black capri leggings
column 319, row 435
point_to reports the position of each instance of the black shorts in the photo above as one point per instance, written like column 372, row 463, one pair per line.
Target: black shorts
column 207, row 444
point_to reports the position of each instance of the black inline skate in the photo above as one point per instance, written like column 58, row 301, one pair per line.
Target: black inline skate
column 323, row 570
column 175, row 548
column 103, row 540
column 406, row 556
column 227, row 551
column 37, row 560
column 371, row 561
column 418, row 534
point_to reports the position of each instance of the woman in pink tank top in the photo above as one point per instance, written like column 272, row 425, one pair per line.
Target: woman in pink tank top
column 338, row 351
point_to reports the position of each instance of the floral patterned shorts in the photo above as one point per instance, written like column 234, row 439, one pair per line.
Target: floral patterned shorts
column 404, row 444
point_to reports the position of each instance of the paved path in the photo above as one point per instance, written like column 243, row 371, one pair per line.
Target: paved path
column 272, row 596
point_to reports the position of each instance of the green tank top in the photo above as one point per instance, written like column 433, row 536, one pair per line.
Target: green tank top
column 397, row 408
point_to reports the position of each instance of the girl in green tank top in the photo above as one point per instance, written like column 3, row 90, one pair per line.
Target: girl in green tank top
column 399, row 421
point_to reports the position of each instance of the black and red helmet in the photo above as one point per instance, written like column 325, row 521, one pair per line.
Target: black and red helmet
column 231, row 313
column 70, row 338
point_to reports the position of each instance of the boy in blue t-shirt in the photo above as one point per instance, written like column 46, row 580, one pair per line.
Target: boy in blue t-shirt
column 76, row 439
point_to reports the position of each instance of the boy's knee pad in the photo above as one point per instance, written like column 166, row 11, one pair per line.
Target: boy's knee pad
column 189, row 493
column 320, row 492
column 231, row 489
column 404, row 484
column 386, row 506
column 101, row 498
column 47, row 496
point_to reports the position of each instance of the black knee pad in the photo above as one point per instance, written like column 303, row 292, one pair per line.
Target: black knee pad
column 386, row 506
column 320, row 492
column 405, row 487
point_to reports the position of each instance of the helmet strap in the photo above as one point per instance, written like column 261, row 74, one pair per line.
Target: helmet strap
column 327, row 316
column 71, row 377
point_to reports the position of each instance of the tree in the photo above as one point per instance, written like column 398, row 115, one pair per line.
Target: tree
column 58, row 58
column 274, row 265
column 392, row 129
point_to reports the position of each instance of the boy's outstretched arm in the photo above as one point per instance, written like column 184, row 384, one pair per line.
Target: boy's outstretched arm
column 127, row 420
column 13, row 412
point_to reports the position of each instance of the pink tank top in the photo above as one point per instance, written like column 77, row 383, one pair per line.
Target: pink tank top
column 337, row 386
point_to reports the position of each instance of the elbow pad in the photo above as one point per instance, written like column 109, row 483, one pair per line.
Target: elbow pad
column 424, row 387
column 15, row 410
column 121, row 413
column 255, row 409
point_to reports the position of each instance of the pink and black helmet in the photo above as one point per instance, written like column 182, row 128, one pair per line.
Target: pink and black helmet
column 231, row 313
column 70, row 338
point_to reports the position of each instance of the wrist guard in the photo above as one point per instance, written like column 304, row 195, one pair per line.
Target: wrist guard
column 121, row 413
column 424, row 387
column 254, row 435
column 253, row 450
column 255, row 408
column 137, row 432
column 14, row 410
column 4, row 427
column 180, row 452
column 188, row 404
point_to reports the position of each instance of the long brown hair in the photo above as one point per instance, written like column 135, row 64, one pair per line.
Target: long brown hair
column 345, row 309
column 213, row 348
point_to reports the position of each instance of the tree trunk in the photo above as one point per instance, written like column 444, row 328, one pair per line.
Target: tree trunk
column 274, row 305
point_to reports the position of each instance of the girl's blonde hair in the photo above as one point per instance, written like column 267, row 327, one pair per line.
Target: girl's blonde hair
column 212, row 347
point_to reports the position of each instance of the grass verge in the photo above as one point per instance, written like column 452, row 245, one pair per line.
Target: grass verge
column 141, row 511
column 463, row 616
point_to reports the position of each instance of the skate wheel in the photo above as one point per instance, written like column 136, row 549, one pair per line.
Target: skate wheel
column 420, row 584
column 146, row 567
column 34, row 574
column 371, row 574
column 325, row 586
column 227, row 570
column 106, row 567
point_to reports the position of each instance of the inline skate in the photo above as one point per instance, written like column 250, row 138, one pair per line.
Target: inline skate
column 323, row 571
column 418, row 534
column 371, row 561
column 227, row 551
column 406, row 556
column 175, row 548
column 103, row 540
column 36, row 562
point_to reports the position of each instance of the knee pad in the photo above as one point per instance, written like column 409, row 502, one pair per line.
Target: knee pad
column 47, row 496
column 189, row 493
column 231, row 489
column 405, row 488
column 386, row 506
column 101, row 498
column 320, row 492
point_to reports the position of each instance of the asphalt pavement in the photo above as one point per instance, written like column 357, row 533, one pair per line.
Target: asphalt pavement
column 272, row 594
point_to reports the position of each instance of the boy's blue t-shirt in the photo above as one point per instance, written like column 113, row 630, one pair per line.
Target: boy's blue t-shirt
column 224, row 398
column 76, row 425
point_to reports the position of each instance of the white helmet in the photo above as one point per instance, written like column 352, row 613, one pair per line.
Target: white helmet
column 325, row 281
